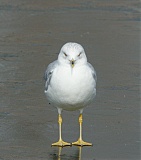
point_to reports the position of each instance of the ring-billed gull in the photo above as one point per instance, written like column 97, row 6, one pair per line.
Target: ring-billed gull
column 70, row 85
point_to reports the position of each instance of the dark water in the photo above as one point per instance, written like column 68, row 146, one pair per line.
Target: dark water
column 31, row 35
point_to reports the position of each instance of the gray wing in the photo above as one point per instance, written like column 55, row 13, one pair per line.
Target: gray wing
column 49, row 72
column 93, row 71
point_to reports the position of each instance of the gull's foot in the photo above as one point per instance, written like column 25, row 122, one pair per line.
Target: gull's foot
column 61, row 143
column 81, row 143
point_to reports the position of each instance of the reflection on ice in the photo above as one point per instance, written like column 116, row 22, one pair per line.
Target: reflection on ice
column 59, row 155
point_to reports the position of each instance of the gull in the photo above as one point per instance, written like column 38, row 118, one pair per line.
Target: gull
column 70, row 85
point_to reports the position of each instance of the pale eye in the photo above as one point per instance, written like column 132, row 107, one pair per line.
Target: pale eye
column 65, row 54
column 79, row 54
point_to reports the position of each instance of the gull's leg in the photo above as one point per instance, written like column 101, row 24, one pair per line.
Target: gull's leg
column 60, row 143
column 80, row 142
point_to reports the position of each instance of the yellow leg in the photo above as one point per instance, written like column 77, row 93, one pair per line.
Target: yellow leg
column 80, row 142
column 60, row 143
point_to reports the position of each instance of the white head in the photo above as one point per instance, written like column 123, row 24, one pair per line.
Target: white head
column 72, row 54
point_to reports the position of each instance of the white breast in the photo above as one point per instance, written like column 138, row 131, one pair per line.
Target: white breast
column 71, row 89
